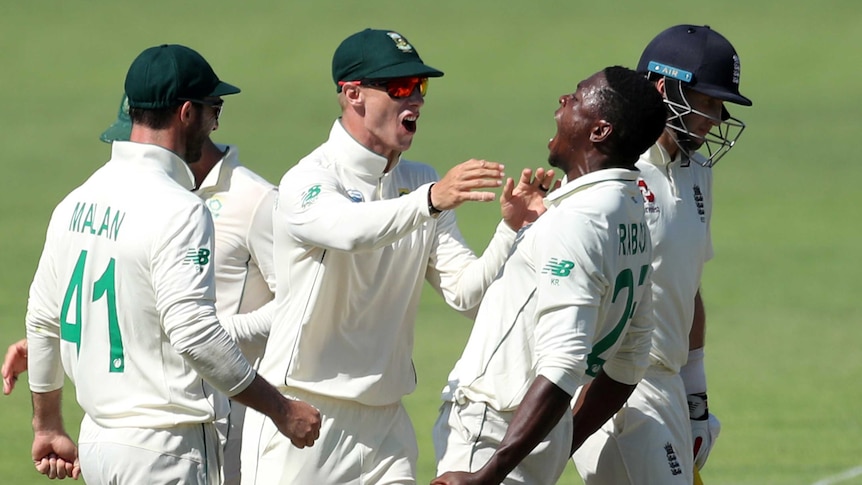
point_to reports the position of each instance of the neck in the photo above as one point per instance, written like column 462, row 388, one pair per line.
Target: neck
column 587, row 165
column 667, row 141
column 169, row 138
column 354, row 127
column 210, row 156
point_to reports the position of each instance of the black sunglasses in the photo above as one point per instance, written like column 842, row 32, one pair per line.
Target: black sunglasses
column 216, row 104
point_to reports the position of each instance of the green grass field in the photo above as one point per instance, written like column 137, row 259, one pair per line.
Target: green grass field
column 784, row 321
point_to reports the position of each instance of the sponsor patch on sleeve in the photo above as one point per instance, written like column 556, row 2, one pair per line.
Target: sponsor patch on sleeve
column 310, row 195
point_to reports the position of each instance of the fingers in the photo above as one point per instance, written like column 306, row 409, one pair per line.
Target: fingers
column 464, row 183
column 14, row 363
column 55, row 468
column 8, row 384
column 544, row 179
column 307, row 440
column 303, row 428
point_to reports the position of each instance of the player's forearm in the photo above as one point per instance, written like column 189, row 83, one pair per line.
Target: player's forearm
column 211, row 352
column 598, row 401
column 47, row 411
column 543, row 406
column 261, row 396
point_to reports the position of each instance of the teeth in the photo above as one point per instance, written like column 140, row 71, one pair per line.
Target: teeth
column 410, row 118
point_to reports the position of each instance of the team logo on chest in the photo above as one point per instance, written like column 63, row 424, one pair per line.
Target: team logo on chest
column 215, row 205
column 355, row 195
column 650, row 207
column 698, row 200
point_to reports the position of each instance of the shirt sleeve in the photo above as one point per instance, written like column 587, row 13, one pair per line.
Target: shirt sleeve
column 318, row 212
column 185, row 301
column 569, row 287
column 43, row 323
column 631, row 360
column 260, row 239
column 455, row 271
column 251, row 330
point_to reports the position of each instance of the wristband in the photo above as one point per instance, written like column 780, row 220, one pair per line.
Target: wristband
column 693, row 373
column 431, row 209
column 698, row 407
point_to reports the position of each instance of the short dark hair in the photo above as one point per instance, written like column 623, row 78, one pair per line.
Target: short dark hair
column 156, row 119
column 636, row 110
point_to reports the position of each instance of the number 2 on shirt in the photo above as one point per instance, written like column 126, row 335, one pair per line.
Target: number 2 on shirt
column 103, row 287
column 624, row 281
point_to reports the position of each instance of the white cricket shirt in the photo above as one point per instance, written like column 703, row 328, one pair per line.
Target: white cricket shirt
column 241, row 203
column 678, row 205
column 123, row 297
column 573, row 295
column 352, row 248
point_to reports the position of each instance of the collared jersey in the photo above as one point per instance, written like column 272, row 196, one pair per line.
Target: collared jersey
column 123, row 297
column 241, row 203
column 573, row 296
column 352, row 247
column 678, row 205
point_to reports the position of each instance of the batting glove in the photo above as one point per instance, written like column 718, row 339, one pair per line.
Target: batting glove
column 705, row 428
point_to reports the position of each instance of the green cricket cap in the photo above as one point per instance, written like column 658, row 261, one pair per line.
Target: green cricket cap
column 121, row 129
column 377, row 54
column 164, row 76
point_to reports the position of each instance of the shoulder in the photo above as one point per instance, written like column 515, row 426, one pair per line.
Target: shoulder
column 248, row 182
column 421, row 172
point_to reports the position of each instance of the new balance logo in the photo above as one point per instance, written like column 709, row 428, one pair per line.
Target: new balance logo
column 198, row 257
column 558, row 267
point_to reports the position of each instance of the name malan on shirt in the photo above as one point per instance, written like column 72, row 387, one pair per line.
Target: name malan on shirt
column 89, row 218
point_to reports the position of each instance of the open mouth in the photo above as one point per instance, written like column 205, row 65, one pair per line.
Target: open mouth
column 409, row 123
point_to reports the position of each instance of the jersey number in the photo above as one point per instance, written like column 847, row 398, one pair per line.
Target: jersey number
column 625, row 281
column 103, row 287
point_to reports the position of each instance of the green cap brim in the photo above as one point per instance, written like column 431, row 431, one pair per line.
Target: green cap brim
column 121, row 130
column 223, row 89
column 407, row 69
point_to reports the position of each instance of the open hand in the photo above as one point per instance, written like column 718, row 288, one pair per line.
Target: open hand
column 524, row 203
column 461, row 182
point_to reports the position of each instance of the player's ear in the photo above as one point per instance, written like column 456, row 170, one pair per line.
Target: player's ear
column 352, row 93
column 601, row 131
column 661, row 86
column 186, row 112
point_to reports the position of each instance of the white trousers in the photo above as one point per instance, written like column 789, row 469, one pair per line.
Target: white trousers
column 466, row 435
column 647, row 442
column 187, row 455
column 358, row 445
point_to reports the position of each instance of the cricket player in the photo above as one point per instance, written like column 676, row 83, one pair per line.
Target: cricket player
column 665, row 429
column 123, row 301
column 357, row 231
column 571, row 302
column 241, row 203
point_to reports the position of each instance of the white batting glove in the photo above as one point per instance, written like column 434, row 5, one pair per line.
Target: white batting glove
column 705, row 428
